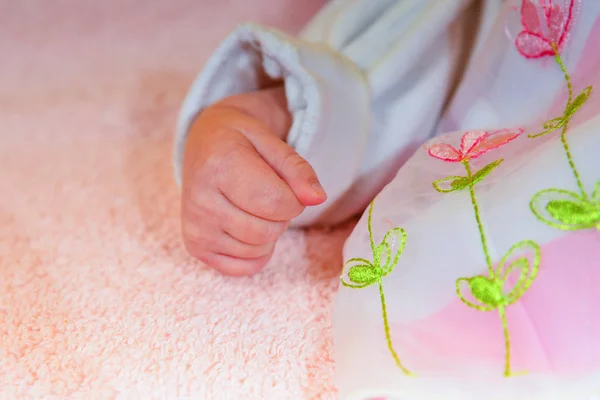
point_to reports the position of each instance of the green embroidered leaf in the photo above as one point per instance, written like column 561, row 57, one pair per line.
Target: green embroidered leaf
column 383, row 254
column 485, row 171
column 564, row 210
column 553, row 124
column 486, row 290
column 579, row 101
column 596, row 194
column 395, row 238
column 456, row 183
column 460, row 183
column 525, row 256
column 364, row 274
column 581, row 213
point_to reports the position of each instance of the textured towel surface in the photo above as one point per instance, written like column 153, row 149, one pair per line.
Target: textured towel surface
column 98, row 299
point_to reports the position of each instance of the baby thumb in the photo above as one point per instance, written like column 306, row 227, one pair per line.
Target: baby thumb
column 301, row 178
column 292, row 168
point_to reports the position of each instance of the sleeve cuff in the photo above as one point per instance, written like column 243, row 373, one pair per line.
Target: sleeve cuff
column 327, row 95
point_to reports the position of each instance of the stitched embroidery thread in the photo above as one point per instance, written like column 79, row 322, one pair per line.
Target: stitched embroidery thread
column 559, row 208
column 363, row 273
column 490, row 292
column 544, row 31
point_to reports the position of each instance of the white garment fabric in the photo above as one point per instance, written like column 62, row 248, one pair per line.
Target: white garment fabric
column 458, row 352
column 365, row 83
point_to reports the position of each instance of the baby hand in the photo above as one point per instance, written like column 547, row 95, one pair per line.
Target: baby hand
column 242, row 183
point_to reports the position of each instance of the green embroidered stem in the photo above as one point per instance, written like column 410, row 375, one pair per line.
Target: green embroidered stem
column 563, row 134
column 564, row 70
column 489, row 291
column 563, row 139
column 371, row 238
column 491, row 295
column 559, row 208
column 488, row 258
column 388, row 336
column 364, row 273
column 502, row 312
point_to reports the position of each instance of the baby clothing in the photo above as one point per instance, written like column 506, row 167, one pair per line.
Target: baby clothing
column 474, row 272
column 365, row 83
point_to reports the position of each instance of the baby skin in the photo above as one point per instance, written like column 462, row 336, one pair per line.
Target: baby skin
column 242, row 184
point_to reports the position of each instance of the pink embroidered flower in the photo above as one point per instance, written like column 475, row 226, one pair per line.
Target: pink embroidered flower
column 544, row 28
column 473, row 144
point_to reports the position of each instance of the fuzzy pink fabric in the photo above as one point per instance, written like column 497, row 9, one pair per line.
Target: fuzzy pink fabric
column 98, row 299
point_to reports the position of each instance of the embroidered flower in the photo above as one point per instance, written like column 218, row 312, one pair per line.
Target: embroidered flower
column 545, row 28
column 488, row 291
column 473, row 144
column 362, row 272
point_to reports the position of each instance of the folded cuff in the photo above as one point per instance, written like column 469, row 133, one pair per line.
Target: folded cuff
column 327, row 95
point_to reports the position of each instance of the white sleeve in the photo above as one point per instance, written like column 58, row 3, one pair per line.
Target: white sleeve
column 365, row 84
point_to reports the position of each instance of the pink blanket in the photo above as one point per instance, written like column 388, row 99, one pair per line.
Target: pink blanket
column 98, row 298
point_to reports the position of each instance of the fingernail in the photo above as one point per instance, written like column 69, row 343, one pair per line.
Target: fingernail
column 318, row 189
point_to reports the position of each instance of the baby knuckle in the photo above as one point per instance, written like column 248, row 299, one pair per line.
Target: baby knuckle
column 249, row 252
column 196, row 210
column 227, row 166
column 192, row 200
column 266, row 232
column 260, row 250
column 273, row 201
column 293, row 161
column 216, row 163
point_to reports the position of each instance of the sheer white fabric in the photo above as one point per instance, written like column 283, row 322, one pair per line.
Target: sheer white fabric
column 456, row 351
